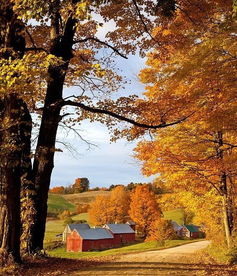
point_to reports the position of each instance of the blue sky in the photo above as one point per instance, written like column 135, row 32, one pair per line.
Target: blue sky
column 107, row 163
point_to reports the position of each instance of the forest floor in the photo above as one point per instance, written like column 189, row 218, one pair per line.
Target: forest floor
column 179, row 261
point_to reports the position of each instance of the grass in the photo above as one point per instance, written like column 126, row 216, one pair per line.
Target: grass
column 82, row 216
column 53, row 228
column 138, row 247
column 176, row 215
column 57, row 203
column 86, row 197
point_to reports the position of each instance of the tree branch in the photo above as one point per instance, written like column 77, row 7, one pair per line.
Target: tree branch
column 101, row 42
column 143, row 22
column 120, row 117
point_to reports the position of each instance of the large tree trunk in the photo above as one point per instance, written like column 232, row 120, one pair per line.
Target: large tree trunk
column 226, row 192
column 12, row 110
column 44, row 156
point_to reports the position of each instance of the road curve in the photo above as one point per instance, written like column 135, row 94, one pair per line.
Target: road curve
column 173, row 254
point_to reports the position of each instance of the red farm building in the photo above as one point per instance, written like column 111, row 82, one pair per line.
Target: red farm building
column 123, row 233
column 89, row 239
column 70, row 227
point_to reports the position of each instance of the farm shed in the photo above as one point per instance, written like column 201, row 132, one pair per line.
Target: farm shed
column 190, row 231
column 70, row 227
column 123, row 233
column 89, row 239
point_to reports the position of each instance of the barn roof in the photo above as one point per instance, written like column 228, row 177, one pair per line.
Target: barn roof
column 78, row 226
column 175, row 225
column 120, row 228
column 94, row 233
column 192, row 228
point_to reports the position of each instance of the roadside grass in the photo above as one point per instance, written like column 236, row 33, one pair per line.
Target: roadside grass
column 176, row 215
column 57, row 203
column 138, row 247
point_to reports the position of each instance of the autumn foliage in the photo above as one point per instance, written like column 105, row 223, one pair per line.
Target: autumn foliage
column 57, row 190
column 144, row 209
column 193, row 74
column 110, row 209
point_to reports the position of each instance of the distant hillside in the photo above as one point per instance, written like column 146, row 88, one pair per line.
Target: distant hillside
column 85, row 197
column 176, row 215
column 57, row 204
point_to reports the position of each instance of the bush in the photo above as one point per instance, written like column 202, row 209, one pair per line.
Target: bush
column 161, row 230
column 65, row 214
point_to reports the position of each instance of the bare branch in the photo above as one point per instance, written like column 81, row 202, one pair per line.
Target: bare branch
column 101, row 42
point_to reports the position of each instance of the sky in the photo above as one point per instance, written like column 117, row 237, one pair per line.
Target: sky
column 106, row 163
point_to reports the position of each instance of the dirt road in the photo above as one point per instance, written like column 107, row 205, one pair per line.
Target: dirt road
column 172, row 261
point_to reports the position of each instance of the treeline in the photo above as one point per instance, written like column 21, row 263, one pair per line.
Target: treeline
column 82, row 185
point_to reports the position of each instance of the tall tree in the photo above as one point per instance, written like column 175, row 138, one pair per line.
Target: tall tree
column 144, row 209
column 119, row 206
column 198, row 66
column 15, row 134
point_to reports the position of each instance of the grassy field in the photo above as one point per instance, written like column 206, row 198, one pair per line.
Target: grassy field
column 57, row 203
column 175, row 215
column 82, row 216
column 86, row 197
column 138, row 247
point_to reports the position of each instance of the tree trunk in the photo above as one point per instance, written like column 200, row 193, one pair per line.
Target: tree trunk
column 225, row 191
column 12, row 148
column 44, row 156
column 226, row 222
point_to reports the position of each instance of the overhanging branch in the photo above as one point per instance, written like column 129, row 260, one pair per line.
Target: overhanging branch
column 120, row 117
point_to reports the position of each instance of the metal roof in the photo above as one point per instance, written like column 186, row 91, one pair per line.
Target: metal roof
column 78, row 226
column 120, row 228
column 192, row 228
column 94, row 233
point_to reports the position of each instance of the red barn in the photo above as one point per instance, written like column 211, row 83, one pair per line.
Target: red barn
column 89, row 239
column 123, row 233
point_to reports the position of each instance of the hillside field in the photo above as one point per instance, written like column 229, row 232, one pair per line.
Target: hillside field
column 86, row 197
column 58, row 203
column 176, row 215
